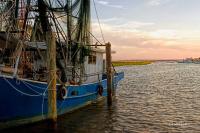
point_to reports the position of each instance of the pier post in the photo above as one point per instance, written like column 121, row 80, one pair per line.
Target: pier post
column 51, row 67
column 109, row 73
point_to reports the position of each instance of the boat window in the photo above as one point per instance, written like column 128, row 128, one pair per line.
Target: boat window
column 92, row 59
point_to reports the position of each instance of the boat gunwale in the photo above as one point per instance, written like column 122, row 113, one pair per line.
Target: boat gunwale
column 45, row 83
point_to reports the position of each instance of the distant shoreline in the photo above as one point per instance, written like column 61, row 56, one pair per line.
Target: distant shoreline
column 131, row 63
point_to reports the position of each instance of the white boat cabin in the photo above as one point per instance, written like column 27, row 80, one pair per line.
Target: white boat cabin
column 94, row 65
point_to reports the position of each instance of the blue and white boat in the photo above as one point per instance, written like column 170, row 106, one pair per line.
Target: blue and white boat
column 80, row 71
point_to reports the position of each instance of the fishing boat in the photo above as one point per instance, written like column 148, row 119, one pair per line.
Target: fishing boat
column 27, row 30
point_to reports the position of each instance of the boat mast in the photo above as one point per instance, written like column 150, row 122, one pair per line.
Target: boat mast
column 26, row 16
column 69, row 21
column 16, row 9
column 69, row 28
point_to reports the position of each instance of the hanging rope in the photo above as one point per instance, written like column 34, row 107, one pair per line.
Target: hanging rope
column 23, row 93
column 99, row 21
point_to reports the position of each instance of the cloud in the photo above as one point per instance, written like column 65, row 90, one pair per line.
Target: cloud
column 156, row 2
column 121, row 23
column 165, row 33
column 132, row 25
column 132, row 41
column 108, row 4
column 103, row 2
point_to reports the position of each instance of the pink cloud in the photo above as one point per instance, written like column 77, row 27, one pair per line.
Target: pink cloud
column 134, row 43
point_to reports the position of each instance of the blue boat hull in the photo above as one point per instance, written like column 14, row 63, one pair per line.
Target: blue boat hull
column 24, row 101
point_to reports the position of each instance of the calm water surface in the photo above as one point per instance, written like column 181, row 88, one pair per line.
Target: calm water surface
column 161, row 97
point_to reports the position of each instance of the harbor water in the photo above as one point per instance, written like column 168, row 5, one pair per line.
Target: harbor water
column 158, row 98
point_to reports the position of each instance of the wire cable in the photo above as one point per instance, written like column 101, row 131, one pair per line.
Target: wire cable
column 99, row 21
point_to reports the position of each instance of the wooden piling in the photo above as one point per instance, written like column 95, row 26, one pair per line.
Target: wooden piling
column 109, row 73
column 51, row 67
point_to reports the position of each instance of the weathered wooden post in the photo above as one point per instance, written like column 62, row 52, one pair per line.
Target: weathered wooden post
column 109, row 73
column 51, row 67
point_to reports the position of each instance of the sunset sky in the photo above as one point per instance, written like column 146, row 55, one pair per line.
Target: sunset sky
column 149, row 29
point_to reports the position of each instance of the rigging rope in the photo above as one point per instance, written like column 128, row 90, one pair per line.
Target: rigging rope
column 23, row 93
column 99, row 21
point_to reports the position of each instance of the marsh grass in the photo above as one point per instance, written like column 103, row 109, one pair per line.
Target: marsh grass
column 130, row 63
